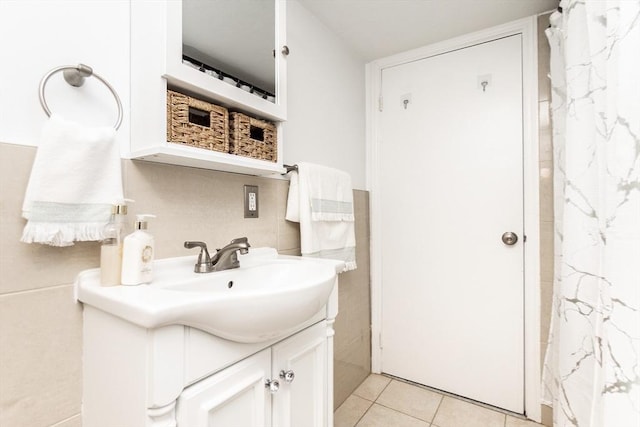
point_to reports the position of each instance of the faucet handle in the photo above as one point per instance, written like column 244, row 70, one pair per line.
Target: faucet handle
column 191, row 245
column 204, row 259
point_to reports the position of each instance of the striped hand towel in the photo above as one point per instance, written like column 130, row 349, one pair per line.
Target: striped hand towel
column 321, row 200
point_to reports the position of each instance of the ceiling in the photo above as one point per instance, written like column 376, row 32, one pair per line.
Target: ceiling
column 377, row 28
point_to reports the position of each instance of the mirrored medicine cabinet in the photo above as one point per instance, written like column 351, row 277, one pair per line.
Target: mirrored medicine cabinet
column 232, row 40
column 228, row 52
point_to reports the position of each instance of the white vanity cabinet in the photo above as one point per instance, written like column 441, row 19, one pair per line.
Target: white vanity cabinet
column 179, row 376
column 285, row 385
column 157, row 64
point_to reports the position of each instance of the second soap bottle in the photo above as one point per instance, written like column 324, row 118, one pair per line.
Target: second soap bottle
column 137, row 254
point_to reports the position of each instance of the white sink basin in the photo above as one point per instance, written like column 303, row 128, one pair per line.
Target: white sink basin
column 268, row 296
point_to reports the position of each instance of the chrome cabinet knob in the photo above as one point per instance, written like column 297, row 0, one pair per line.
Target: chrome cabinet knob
column 509, row 238
column 287, row 376
column 272, row 385
column 285, row 50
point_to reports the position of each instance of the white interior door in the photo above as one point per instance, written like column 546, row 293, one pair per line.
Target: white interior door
column 452, row 184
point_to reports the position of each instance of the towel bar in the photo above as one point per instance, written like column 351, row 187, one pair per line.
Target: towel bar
column 75, row 75
column 290, row 168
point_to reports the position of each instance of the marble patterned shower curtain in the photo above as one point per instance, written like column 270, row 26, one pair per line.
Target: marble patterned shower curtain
column 592, row 371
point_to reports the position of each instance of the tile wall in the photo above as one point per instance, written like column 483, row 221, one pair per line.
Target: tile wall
column 41, row 325
column 546, row 193
column 352, row 352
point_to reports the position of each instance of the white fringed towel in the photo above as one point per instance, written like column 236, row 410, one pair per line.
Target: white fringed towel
column 321, row 200
column 75, row 178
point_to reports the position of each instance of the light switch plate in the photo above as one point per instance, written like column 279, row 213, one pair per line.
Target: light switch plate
column 251, row 206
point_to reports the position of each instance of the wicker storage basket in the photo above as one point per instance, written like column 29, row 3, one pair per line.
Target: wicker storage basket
column 197, row 123
column 253, row 138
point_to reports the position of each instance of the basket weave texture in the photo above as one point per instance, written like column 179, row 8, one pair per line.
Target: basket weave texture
column 250, row 137
column 181, row 130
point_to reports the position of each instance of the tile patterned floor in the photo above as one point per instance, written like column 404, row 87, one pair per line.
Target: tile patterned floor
column 384, row 402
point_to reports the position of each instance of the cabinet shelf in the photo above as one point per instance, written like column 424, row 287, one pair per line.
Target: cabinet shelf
column 175, row 154
column 198, row 83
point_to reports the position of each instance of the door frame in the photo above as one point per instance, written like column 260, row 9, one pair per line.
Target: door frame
column 527, row 27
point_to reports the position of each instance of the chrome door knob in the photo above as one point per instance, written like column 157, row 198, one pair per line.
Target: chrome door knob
column 272, row 385
column 509, row 238
column 287, row 376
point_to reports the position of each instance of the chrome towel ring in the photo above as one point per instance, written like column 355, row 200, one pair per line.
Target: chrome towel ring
column 75, row 76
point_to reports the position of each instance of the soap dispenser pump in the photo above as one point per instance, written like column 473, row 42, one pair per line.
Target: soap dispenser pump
column 137, row 254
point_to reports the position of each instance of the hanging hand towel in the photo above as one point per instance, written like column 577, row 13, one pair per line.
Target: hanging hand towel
column 76, row 177
column 321, row 200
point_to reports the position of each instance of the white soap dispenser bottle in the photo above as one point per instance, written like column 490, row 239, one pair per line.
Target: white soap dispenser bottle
column 137, row 254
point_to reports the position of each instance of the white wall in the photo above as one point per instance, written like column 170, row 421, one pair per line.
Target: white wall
column 326, row 97
column 36, row 36
column 326, row 83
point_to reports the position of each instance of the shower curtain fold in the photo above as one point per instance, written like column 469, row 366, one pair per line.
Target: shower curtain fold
column 591, row 372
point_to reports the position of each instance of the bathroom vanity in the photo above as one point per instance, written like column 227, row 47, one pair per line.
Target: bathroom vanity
column 148, row 362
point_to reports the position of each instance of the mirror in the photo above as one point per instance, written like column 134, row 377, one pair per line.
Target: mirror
column 232, row 40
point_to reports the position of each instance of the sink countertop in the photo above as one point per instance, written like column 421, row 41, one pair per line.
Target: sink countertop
column 164, row 302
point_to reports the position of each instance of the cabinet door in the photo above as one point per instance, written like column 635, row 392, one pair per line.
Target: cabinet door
column 235, row 396
column 303, row 401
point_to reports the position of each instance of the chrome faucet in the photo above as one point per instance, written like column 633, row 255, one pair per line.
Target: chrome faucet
column 224, row 259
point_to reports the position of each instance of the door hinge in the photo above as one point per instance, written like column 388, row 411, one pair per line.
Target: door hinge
column 380, row 339
column 380, row 104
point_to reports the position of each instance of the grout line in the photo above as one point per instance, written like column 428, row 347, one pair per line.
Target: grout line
column 377, row 396
column 371, row 401
column 442, row 394
column 59, row 423
column 34, row 290
column 396, row 410
column 365, row 412
column 382, row 391
column 403, row 413
column 461, row 398
column 437, row 409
